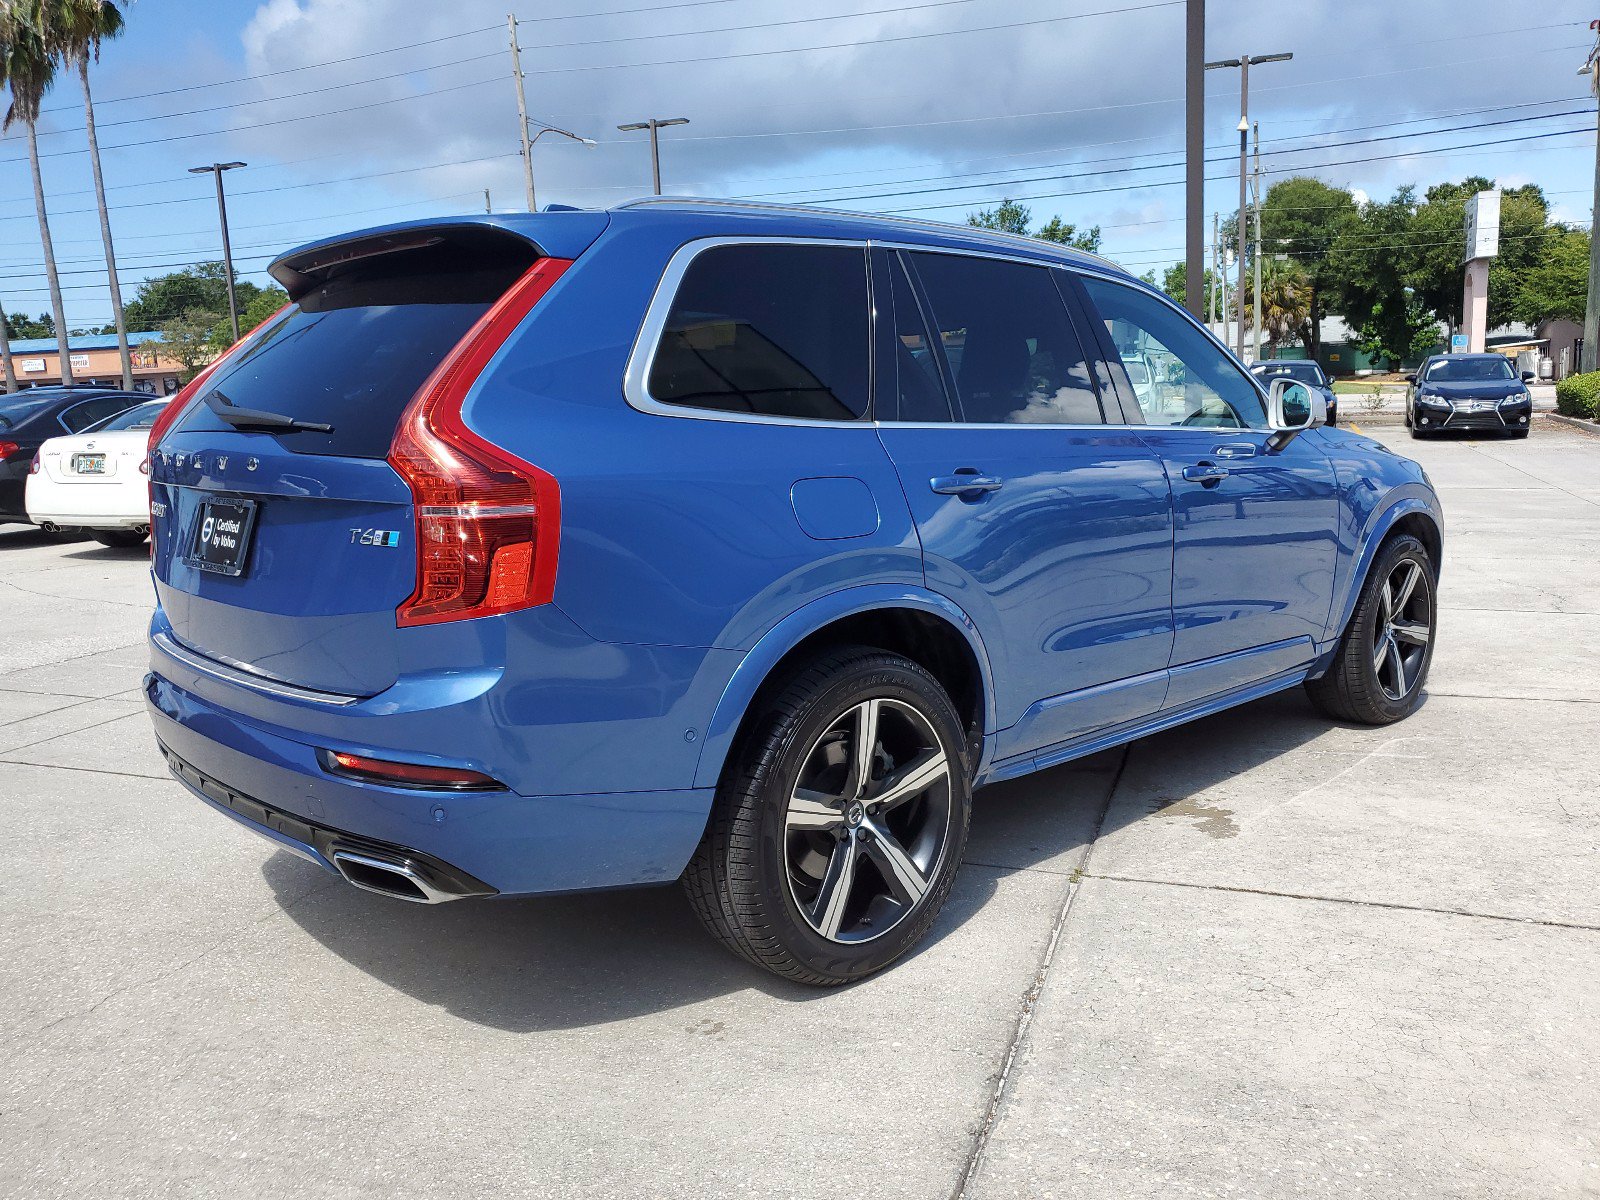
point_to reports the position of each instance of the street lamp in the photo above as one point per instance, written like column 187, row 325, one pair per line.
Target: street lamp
column 217, row 169
column 528, row 142
column 1243, row 62
column 653, row 125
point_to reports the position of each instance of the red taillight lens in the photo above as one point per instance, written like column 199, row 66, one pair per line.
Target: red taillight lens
column 403, row 774
column 181, row 402
column 7, row 449
column 488, row 524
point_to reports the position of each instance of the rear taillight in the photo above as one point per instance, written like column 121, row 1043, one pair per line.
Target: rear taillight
column 169, row 415
column 488, row 524
column 7, row 449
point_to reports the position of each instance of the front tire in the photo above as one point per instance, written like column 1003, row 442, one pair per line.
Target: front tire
column 1383, row 658
column 839, row 822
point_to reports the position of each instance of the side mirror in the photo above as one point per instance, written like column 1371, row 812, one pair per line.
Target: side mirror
column 1411, row 379
column 1291, row 408
column 1527, row 377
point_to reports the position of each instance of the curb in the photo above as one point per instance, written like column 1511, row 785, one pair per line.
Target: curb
column 1585, row 427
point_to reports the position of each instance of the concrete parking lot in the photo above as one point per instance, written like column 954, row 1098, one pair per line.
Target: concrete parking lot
column 1263, row 955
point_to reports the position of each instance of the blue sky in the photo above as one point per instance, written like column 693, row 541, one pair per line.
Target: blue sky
column 352, row 115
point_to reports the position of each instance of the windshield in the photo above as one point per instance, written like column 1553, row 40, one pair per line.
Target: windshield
column 1137, row 373
column 14, row 412
column 1301, row 372
column 141, row 416
column 1469, row 370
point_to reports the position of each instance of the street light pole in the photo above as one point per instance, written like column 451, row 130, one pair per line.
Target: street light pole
column 545, row 128
column 1243, row 63
column 1590, row 358
column 216, row 169
column 1194, row 182
column 1255, row 209
column 653, row 125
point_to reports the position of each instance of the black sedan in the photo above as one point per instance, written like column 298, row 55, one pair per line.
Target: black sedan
column 29, row 418
column 1304, row 371
column 1478, row 392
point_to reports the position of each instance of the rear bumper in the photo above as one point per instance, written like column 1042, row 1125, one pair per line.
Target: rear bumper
column 498, row 842
column 90, row 505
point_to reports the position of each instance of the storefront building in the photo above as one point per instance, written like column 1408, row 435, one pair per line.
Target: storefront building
column 37, row 362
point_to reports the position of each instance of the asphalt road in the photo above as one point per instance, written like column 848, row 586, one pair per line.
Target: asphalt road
column 1260, row 956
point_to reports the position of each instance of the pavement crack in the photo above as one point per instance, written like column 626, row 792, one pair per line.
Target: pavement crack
column 1349, row 900
column 1030, row 997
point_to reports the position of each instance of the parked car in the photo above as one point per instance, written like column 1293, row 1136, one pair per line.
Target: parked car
column 99, row 480
column 30, row 418
column 1469, row 391
column 540, row 553
column 1304, row 371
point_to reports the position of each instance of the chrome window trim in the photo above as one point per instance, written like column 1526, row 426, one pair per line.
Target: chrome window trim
column 642, row 357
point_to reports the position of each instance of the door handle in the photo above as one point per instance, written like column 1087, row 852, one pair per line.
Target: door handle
column 1236, row 450
column 1205, row 473
column 963, row 483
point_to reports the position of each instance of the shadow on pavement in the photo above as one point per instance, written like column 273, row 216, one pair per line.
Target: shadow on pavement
column 572, row 961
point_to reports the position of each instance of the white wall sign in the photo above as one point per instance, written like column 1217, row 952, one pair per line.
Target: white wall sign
column 1483, row 226
column 32, row 366
column 80, row 362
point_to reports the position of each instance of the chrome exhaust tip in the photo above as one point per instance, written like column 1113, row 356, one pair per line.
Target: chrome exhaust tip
column 397, row 880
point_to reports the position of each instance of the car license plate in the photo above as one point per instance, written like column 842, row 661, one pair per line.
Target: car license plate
column 222, row 535
column 89, row 464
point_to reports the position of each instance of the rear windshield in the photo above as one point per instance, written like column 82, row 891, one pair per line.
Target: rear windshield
column 1469, row 370
column 141, row 416
column 1305, row 372
column 356, row 347
column 14, row 412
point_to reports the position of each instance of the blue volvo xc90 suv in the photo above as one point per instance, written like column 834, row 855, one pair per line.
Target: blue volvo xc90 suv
column 737, row 544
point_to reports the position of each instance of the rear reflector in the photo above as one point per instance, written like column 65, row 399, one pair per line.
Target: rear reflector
column 488, row 524
column 408, row 775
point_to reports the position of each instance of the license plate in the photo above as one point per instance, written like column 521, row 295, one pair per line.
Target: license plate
column 89, row 464
column 222, row 536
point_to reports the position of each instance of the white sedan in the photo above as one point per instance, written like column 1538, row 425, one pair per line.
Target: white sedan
column 97, row 480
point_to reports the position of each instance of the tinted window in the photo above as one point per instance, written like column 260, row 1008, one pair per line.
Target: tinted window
column 774, row 330
column 358, row 345
column 1009, row 342
column 1469, row 370
column 15, row 412
column 142, row 416
column 1302, row 372
column 91, row 412
column 921, row 392
column 1192, row 381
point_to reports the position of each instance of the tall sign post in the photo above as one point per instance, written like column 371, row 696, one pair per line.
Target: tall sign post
column 1483, row 244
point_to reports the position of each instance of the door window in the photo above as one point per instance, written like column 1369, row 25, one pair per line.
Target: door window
column 1177, row 375
column 921, row 393
column 1009, row 342
column 770, row 329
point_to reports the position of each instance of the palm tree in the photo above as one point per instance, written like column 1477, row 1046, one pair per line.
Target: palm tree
column 5, row 353
column 1285, row 300
column 80, row 27
column 28, row 68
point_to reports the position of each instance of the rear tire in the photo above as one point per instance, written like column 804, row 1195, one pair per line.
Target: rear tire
column 1383, row 657
column 119, row 539
column 822, row 863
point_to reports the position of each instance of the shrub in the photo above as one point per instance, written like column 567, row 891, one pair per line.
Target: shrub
column 1579, row 396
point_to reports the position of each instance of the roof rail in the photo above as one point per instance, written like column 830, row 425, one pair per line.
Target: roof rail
column 974, row 231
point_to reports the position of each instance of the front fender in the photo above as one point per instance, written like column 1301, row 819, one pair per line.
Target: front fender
column 1398, row 503
column 783, row 637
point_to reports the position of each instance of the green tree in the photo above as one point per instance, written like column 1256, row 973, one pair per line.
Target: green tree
column 1011, row 217
column 266, row 302
column 201, row 288
column 23, row 327
column 1303, row 217
column 1175, row 283
column 28, row 58
column 1438, row 239
column 1285, row 300
column 186, row 339
column 1557, row 285
column 1369, row 259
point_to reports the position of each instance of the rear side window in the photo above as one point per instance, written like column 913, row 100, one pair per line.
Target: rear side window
column 91, row 412
column 141, row 416
column 1008, row 339
column 354, row 349
column 770, row 330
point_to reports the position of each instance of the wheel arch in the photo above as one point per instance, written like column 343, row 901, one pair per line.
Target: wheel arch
column 1416, row 515
column 927, row 628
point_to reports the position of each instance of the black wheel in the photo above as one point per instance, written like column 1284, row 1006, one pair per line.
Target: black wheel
column 1383, row 657
column 839, row 822
column 120, row 539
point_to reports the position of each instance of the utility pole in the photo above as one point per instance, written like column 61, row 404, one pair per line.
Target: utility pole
column 1243, row 63
column 1216, row 274
column 655, row 145
column 1591, row 310
column 217, row 169
column 1194, row 136
column 522, row 111
column 487, row 207
column 1255, row 208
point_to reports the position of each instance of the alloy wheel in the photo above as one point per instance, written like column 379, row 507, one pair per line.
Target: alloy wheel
column 1403, row 629
column 868, row 821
